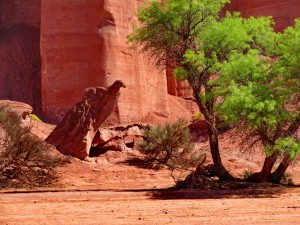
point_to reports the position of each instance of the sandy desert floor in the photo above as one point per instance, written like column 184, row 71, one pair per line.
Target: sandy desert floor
column 103, row 192
column 109, row 189
column 152, row 207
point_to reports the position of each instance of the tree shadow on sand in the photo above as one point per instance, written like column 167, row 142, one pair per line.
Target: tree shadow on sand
column 270, row 192
column 227, row 190
column 142, row 163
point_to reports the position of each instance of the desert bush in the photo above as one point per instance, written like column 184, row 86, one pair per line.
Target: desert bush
column 170, row 145
column 25, row 160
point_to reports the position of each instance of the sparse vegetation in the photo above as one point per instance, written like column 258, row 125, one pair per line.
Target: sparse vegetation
column 198, row 116
column 35, row 117
column 287, row 180
column 25, row 160
column 170, row 145
column 247, row 174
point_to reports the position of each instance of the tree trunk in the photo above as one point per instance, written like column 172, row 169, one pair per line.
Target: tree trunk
column 220, row 170
column 207, row 109
column 278, row 174
column 265, row 172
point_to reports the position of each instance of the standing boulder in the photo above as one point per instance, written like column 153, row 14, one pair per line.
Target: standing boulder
column 74, row 135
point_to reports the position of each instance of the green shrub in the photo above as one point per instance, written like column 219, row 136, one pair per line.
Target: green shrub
column 170, row 144
column 25, row 160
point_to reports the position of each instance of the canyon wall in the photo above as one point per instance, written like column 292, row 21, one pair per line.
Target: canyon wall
column 14, row 12
column 283, row 11
column 83, row 44
column 20, row 60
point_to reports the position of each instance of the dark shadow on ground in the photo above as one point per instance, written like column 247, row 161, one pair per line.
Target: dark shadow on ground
column 167, row 194
column 143, row 163
column 273, row 192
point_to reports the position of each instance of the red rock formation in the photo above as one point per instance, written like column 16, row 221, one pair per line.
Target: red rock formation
column 19, row 108
column 14, row 12
column 20, row 64
column 283, row 11
column 83, row 43
column 20, row 60
column 74, row 135
column 117, row 138
column 175, row 87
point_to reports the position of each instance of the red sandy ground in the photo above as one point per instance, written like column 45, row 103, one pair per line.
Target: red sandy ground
column 107, row 190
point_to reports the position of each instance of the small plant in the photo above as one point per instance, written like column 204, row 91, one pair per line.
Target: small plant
column 35, row 117
column 287, row 180
column 198, row 116
column 170, row 145
column 25, row 160
column 247, row 174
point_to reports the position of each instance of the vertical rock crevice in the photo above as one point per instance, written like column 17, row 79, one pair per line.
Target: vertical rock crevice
column 20, row 59
column 20, row 65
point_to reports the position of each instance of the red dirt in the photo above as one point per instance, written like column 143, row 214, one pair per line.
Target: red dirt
column 109, row 190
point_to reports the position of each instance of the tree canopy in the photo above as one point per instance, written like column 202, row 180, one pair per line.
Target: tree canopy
column 238, row 62
column 262, row 94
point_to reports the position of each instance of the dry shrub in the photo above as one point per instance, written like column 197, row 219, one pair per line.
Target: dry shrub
column 25, row 160
column 170, row 145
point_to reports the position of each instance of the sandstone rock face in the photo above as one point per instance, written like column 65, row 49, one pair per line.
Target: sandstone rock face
column 74, row 135
column 20, row 61
column 19, row 108
column 14, row 12
column 283, row 11
column 20, row 64
column 85, row 45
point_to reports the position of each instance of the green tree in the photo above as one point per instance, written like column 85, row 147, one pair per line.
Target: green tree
column 288, row 69
column 167, row 31
column 192, row 34
column 262, row 94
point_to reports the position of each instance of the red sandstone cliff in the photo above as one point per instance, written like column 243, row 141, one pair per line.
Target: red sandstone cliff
column 283, row 11
column 83, row 43
column 20, row 61
column 14, row 12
